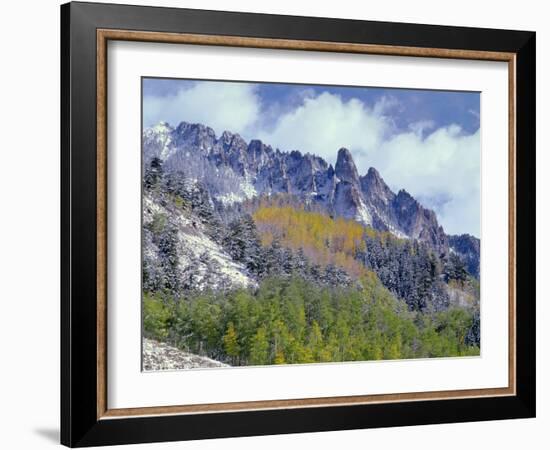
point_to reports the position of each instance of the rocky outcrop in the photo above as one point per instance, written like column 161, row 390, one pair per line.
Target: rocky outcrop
column 418, row 222
column 159, row 356
column 467, row 247
column 345, row 168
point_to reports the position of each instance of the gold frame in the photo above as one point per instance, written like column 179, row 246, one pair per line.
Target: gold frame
column 103, row 36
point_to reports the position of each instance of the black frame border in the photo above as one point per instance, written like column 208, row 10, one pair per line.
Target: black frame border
column 79, row 424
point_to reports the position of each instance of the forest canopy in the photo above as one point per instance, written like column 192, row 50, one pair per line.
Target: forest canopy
column 291, row 320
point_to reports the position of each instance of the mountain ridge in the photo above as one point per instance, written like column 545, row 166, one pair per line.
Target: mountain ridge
column 235, row 170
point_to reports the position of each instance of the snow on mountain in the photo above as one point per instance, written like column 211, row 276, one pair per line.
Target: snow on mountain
column 198, row 255
column 160, row 356
column 234, row 170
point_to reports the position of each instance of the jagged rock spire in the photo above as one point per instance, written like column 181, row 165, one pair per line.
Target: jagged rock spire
column 345, row 167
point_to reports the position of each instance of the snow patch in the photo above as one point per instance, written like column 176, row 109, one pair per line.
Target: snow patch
column 194, row 244
column 160, row 356
column 230, row 198
column 246, row 191
column 197, row 244
column 363, row 215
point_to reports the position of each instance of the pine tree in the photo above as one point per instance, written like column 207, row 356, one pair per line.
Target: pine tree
column 203, row 207
column 473, row 334
column 409, row 269
column 455, row 269
column 252, row 257
column 272, row 256
column 177, row 184
column 234, row 240
column 190, row 274
column 153, row 174
column 301, row 266
column 243, row 244
column 167, row 242
column 287, row 262
column 151, row 272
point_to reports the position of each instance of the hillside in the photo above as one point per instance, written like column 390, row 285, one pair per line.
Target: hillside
column 242, row 273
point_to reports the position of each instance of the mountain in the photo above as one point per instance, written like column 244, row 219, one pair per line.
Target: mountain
column 468, row 248
column 233, row 171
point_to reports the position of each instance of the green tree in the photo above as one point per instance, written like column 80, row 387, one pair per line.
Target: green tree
column 280, row 341
column 259, row 347
column 315, row 341
column 279, row 358
column 231, row 344
column 156, row 317
column 294, row 320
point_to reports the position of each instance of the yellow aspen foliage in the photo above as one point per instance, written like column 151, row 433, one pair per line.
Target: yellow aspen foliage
column 230, row 342
column 323, row 239
column 279, row 358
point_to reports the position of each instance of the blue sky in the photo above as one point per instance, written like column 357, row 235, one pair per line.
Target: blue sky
column 427, row 142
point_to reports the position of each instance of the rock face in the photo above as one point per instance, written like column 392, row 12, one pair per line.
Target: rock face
column 418, row 222
column 234, row 171
column 159, row 356
column 468, row 248
column 345, row 168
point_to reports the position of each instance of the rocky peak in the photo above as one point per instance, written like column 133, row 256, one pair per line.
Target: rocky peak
column 373, row 179
column 191, row 129
column 419, row 222
column 317, row 163
column 408, row 212
column 156, row 141
column 375, row 188
column 194, row 134
column 404, row 200
column 345, row 167
column 300, row 172
column 226, row 138
column 258, row 153
column 348, row 203
column 162, row 127
column 232, row 142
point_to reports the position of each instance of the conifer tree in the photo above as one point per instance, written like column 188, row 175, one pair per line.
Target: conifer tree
column 153, row 174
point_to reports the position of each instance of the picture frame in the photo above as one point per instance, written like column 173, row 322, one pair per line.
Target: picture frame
column 86, row 29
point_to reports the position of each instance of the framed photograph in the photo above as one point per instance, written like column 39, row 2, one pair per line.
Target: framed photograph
column 276, row 224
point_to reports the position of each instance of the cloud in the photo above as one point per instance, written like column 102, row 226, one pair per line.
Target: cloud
column 222, row 106
column 323, row 124
column 442, row 170
column 421, row 126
